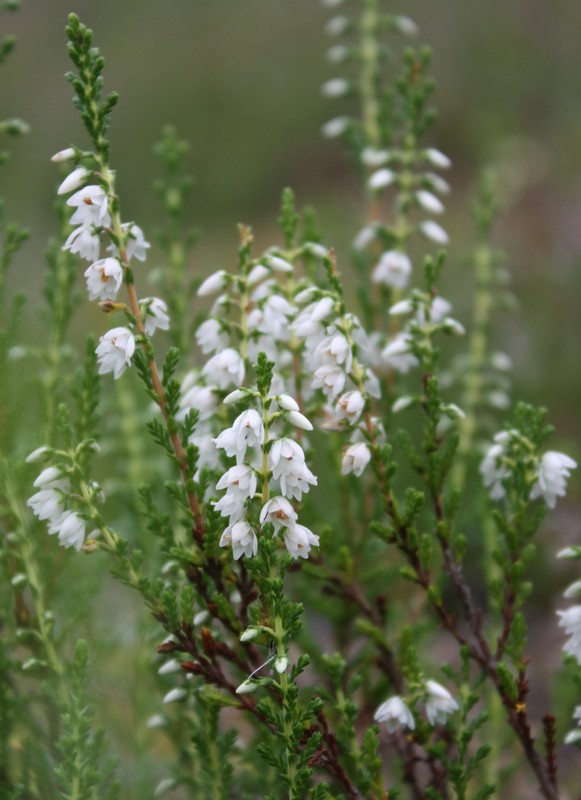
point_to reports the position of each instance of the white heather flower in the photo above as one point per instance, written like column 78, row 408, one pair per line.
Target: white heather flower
column 434, row 232
column 155, row 315
column 47, row 504
column 257, row 274
column 338, row 54
column 402, row 403
column 405, row 25
column 372, row 157
column 380, row 179
column 322, row 309
column 437, row 183
column 299, row 420
column 175, row 696
column 73, row 181
column 135, row 244
column 70, row 528
column 398, row 354
column 39, row 454
column 401, row 308
column 231, row 505
column 349, row 406
column 240, row 479
column 298, row 540
column 104, row 278
column 213, row 283
column 64, row 155
column 246, row 431
column 242, row 538
column 329, row 378
column 279, row 264
column 202, row 398
column 85, row 242
column 393, row 269
column 501, row 362
column 279, row 512
column 355, row 459
column 49, row 478
column 573, row 589
column 570, row 620
column 430, row 202
column 439, row 703
column 493, row 471
column 365, row 237
column 553, row 474
column 336, row 87
column 275, row 315
column 115, row 350
column 225, row 369
column 337, row 350
column 169, row 667
column 337, row 26
column 211, row 336
column 335, row 127
column 287, row 461
column 287, row 403
column 436, row 158
column 395, row 713
column 91, row 203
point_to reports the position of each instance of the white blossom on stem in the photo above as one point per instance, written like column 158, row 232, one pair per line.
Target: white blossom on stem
column 439, row 703
column 84, row 241
column 350, row 406
column 355, row 459
column 246, row 431
column 213, row 283
column 287, row 461
column 242, row 538
column 298, row 541
column 154, row 315
column 554, row 470
column 91, row 204
column 73, row 181
column 279, row 512
column 225, row 369
column 395, row 712
column 393, row 270
column 70, row 528
column 115, row 351
column 104, row 278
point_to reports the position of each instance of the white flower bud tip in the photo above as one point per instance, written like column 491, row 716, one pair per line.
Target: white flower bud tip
column 74, row 181
column 299, row 420
column 169, row 667
column 570, row 552
column 175, row 696
column 287, row 403
column 380, row 179
column 281, row 664
column 200, row 617
column 335, row 127
column 63, row 155
column 38, row 455
column 336, row 87
column 235, row 397
column 248, row 634
column 437, row 159
column 248, row 687
column 213, row 283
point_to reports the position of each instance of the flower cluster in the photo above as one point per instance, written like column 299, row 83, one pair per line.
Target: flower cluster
column 94, row 220
column 278, row 462
column 438, row 701
column 547, row 475
column 335, row 346
column 52, row 502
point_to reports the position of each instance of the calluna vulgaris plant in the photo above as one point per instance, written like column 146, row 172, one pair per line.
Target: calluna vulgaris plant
column 334, row 565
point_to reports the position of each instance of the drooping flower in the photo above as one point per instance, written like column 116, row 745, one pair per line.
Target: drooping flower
column 287, row 461
column 213, row 283
column 355, row 459
column 84, row 241
column 349, row 406
column 211, row 336
column 70, row 528
column 554, row 470
column 298, row 541
column 104, row 278
column 395, row 712
column 242, row 538
column 380, row 179
column 246, row 431
column 225, row 369
column 115, row 351
column 240, row 479
column 570, row 620
column 439, row 703
column 279, row 512
column 398, row 354
column 74, row 180
column 154, row 315
column 434, row 232
column 91, row 203
column 493, row 471
column 393, row 270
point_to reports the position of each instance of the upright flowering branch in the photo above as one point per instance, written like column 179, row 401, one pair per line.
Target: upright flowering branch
column 98, row 212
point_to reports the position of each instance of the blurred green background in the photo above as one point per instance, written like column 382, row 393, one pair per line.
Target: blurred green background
column 240, row 79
